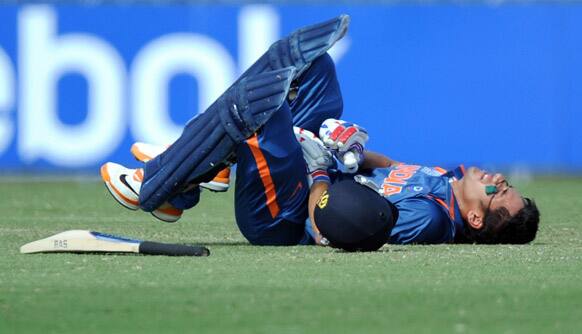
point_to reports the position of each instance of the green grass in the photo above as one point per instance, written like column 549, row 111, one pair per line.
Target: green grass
column 240, row 288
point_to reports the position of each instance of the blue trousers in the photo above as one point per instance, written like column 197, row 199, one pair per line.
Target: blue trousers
column 271, row 190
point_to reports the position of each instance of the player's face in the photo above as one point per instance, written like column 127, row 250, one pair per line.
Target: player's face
column 475, row 182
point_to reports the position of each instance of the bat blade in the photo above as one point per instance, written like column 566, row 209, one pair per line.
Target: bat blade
column 81, row 241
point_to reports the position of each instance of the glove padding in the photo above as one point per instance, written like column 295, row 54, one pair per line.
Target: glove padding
column 347, row 140
column 317, row 157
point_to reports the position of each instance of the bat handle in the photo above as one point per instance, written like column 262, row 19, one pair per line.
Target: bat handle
column 350, row 161
column 158, row 248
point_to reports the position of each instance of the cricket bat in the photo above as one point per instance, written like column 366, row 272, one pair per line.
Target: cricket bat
column 81, row 241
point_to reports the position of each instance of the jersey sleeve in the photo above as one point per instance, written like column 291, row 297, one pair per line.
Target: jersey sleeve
column 421, row 221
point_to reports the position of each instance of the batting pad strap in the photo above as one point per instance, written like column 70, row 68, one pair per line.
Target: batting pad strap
column 211, row 137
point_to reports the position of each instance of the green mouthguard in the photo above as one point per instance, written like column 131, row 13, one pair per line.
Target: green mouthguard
column 490, row 190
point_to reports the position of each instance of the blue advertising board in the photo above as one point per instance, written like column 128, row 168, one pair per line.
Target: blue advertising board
column 438, row 85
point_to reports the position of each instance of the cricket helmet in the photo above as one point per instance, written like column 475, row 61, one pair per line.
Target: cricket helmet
column 354, row 217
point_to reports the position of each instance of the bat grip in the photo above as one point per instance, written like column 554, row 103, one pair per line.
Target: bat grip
column 158, row 248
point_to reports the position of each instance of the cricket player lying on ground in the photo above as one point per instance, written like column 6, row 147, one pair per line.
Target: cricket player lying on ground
column 265, row 123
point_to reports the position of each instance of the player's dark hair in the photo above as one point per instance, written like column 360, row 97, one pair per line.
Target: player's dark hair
column 501, row 228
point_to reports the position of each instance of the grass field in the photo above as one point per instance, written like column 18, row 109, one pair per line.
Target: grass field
column 240, row 288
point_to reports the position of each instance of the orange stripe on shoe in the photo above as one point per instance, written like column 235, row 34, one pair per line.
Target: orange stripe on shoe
column 105, row 176
column 129, row 200
column 138, row 154
column 104, row 173
column 170, row 210
column 223, row 176
column 138, row 175
column 265, row 175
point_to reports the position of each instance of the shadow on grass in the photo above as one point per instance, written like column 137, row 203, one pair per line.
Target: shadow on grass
column 382, row 250
column 124, row 254
column 226, row 243
column 245, row 243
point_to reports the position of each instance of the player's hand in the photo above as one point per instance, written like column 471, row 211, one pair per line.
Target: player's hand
column 317, row 157
column 347, row 140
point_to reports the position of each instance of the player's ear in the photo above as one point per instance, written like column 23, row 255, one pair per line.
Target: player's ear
column 475, row 219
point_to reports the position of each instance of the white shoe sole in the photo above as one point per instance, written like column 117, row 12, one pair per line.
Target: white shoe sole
column 218, row 187
column 168, row 218
column 119, row 195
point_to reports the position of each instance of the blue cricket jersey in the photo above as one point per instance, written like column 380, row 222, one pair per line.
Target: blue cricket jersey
column 428, row 210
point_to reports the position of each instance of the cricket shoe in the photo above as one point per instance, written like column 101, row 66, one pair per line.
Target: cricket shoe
column 220, row 182
column 124, row 185
column 145, row 152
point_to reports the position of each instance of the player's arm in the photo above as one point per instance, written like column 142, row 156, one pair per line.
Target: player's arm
column 347, row 141
column 317, row 190
column 318, row 159
column 376, row 160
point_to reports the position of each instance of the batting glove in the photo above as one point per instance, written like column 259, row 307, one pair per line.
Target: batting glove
column 316, row 155
column 346, row 140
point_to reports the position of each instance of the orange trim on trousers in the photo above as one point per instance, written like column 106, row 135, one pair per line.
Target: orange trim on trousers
column 265, row 175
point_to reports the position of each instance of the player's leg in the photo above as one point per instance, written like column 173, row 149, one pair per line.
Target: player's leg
column 271, row 186
column 301, row 47
column 209, row 139
column 299, row 50
column 167, row 175
column 205, row 144
column 124, row 185
column 316, row 96
column 145, row 152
